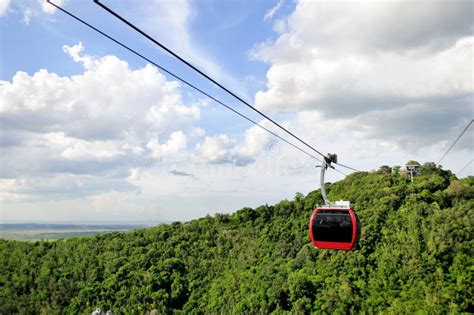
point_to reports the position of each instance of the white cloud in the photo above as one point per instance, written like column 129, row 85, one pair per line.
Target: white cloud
column 279, row 26
column 222, row 149
column 29, row 8
column 9, row 189
column 59, row 187
column 76, row 53
column 174, row 15
column 116, row 200
column 256, row 140
column 4, row 5
column 48, row 8
column 85, row 142
column 371, row 26
column 108, row 101
column 134, row 175
column 357, row 61
column 171, row 112
column 175, row 143
column 216, row 149
column 27, row 14
column 271, row 12
column 98, row 122
column 198, row 132
column 82, row 150
column 360, row 83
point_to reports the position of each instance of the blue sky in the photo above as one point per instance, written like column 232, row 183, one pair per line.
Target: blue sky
column 91, row 132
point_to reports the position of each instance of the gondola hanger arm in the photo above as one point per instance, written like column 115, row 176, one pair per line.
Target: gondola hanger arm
column 328, row 159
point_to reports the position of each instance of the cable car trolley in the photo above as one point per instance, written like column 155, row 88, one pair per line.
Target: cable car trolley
column 333, row 225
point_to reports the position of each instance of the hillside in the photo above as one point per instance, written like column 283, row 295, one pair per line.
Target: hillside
column 415, row 254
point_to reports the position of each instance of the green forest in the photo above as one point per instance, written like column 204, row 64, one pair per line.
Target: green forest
column 415, row 255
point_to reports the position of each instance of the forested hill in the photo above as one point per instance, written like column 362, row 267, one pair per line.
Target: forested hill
column 415, row 254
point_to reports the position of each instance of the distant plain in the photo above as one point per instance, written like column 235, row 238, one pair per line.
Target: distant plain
column 55, row 231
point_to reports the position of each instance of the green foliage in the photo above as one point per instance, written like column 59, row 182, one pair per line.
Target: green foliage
column 415, row 256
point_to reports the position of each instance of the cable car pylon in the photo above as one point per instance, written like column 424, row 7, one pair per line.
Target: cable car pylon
column 333, row 225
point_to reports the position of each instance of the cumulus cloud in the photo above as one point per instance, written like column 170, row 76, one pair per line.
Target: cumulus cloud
column 111, row 99
column 371, row 26
column 82, row 150
column 348, row 85
column 171, row 111
column 101, row 122
column 216, row 149
column 175, row 143
column 374, row 62
column 76, row 52
column 222, row 149
column 255, row 142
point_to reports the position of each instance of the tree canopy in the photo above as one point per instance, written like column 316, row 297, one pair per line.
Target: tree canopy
column 415, row 255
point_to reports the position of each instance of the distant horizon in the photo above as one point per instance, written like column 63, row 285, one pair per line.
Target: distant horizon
column 59, row 222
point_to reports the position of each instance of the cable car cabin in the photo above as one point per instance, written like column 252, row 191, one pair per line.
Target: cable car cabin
column 334, row 228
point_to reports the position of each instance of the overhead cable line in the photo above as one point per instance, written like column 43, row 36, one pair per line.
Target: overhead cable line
column 210, row 78
column 179, row 78
column 348, row 167
column 465, row 166
column 184, row 81
column 187, row 83
column 455, row 141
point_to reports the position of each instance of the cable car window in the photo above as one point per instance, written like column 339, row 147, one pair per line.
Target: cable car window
column 332, row 226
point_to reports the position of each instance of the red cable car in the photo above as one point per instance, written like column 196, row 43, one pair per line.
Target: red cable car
column 333, row 225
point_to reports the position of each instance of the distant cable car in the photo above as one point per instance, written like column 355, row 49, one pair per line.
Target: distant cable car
column 333, row 225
